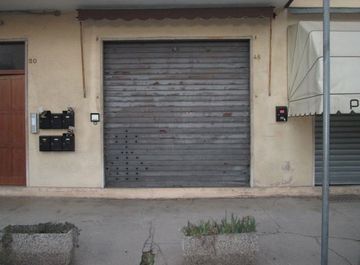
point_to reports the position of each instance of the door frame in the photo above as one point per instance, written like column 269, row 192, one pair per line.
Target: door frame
column 25, row 41
column 250, row 39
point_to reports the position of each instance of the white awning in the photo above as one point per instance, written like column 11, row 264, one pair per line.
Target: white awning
column 305, row 68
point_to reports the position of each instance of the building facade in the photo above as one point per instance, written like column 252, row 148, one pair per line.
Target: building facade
column 183, row 102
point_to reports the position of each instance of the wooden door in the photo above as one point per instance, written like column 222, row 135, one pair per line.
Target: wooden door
column 12, row 128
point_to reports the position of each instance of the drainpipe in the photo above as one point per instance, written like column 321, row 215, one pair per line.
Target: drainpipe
column 326, row 133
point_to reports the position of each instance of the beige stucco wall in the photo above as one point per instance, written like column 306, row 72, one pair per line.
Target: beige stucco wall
column 54, row 83
column 282, row 153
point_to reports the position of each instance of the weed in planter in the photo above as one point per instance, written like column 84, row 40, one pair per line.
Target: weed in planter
column 225, row 226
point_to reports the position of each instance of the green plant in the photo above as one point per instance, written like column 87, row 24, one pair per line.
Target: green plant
column 226, row 225
column 147, row 258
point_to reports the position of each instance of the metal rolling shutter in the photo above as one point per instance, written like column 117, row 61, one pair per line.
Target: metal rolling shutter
column 344, row 149
column 176, row 114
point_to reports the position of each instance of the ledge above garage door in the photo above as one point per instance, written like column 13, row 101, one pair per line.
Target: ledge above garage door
column 305, row 68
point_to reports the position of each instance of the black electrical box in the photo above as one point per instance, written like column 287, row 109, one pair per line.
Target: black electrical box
column 281, row 113
column 56, row 143
column 65, row 142
column 68, row 142
column 45, row 120
column 63, row 120
column 68, row 119
column 44, row 143
column 56, row 121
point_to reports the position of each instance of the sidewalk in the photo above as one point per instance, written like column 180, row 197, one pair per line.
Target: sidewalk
column 113, row 231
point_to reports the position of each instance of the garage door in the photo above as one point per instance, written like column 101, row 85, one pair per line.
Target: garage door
column 176, row 114
column 344, row 149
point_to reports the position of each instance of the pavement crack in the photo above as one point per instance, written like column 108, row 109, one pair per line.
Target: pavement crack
column 278, row 226
column 340, row 256
column 311, row 236
column 317, row 239
column 268, row 233
column 346, row 238
column 300, row 234
column 275, row 202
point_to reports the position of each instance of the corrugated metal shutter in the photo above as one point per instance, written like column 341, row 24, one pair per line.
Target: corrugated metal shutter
column 176, row 113
column 344, row 149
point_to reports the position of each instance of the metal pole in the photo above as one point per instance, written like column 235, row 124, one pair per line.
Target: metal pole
column 326, row 133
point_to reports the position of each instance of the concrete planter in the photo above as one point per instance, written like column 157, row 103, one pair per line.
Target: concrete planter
column 229, row 249
column 42, row 248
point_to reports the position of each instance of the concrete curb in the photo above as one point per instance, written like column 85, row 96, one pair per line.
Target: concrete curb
column 175, row 193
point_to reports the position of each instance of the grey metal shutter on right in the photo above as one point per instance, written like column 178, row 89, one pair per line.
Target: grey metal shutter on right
column 176, row 113
column 344, row 149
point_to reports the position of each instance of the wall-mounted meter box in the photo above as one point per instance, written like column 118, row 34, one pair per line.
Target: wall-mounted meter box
column 68, row 119
column 44, row 143
column 56, row 121
column 56, row 143
column 281, row 113
column 45, row 120
column 65, row 142
column 68, row 142
column 64, row 120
